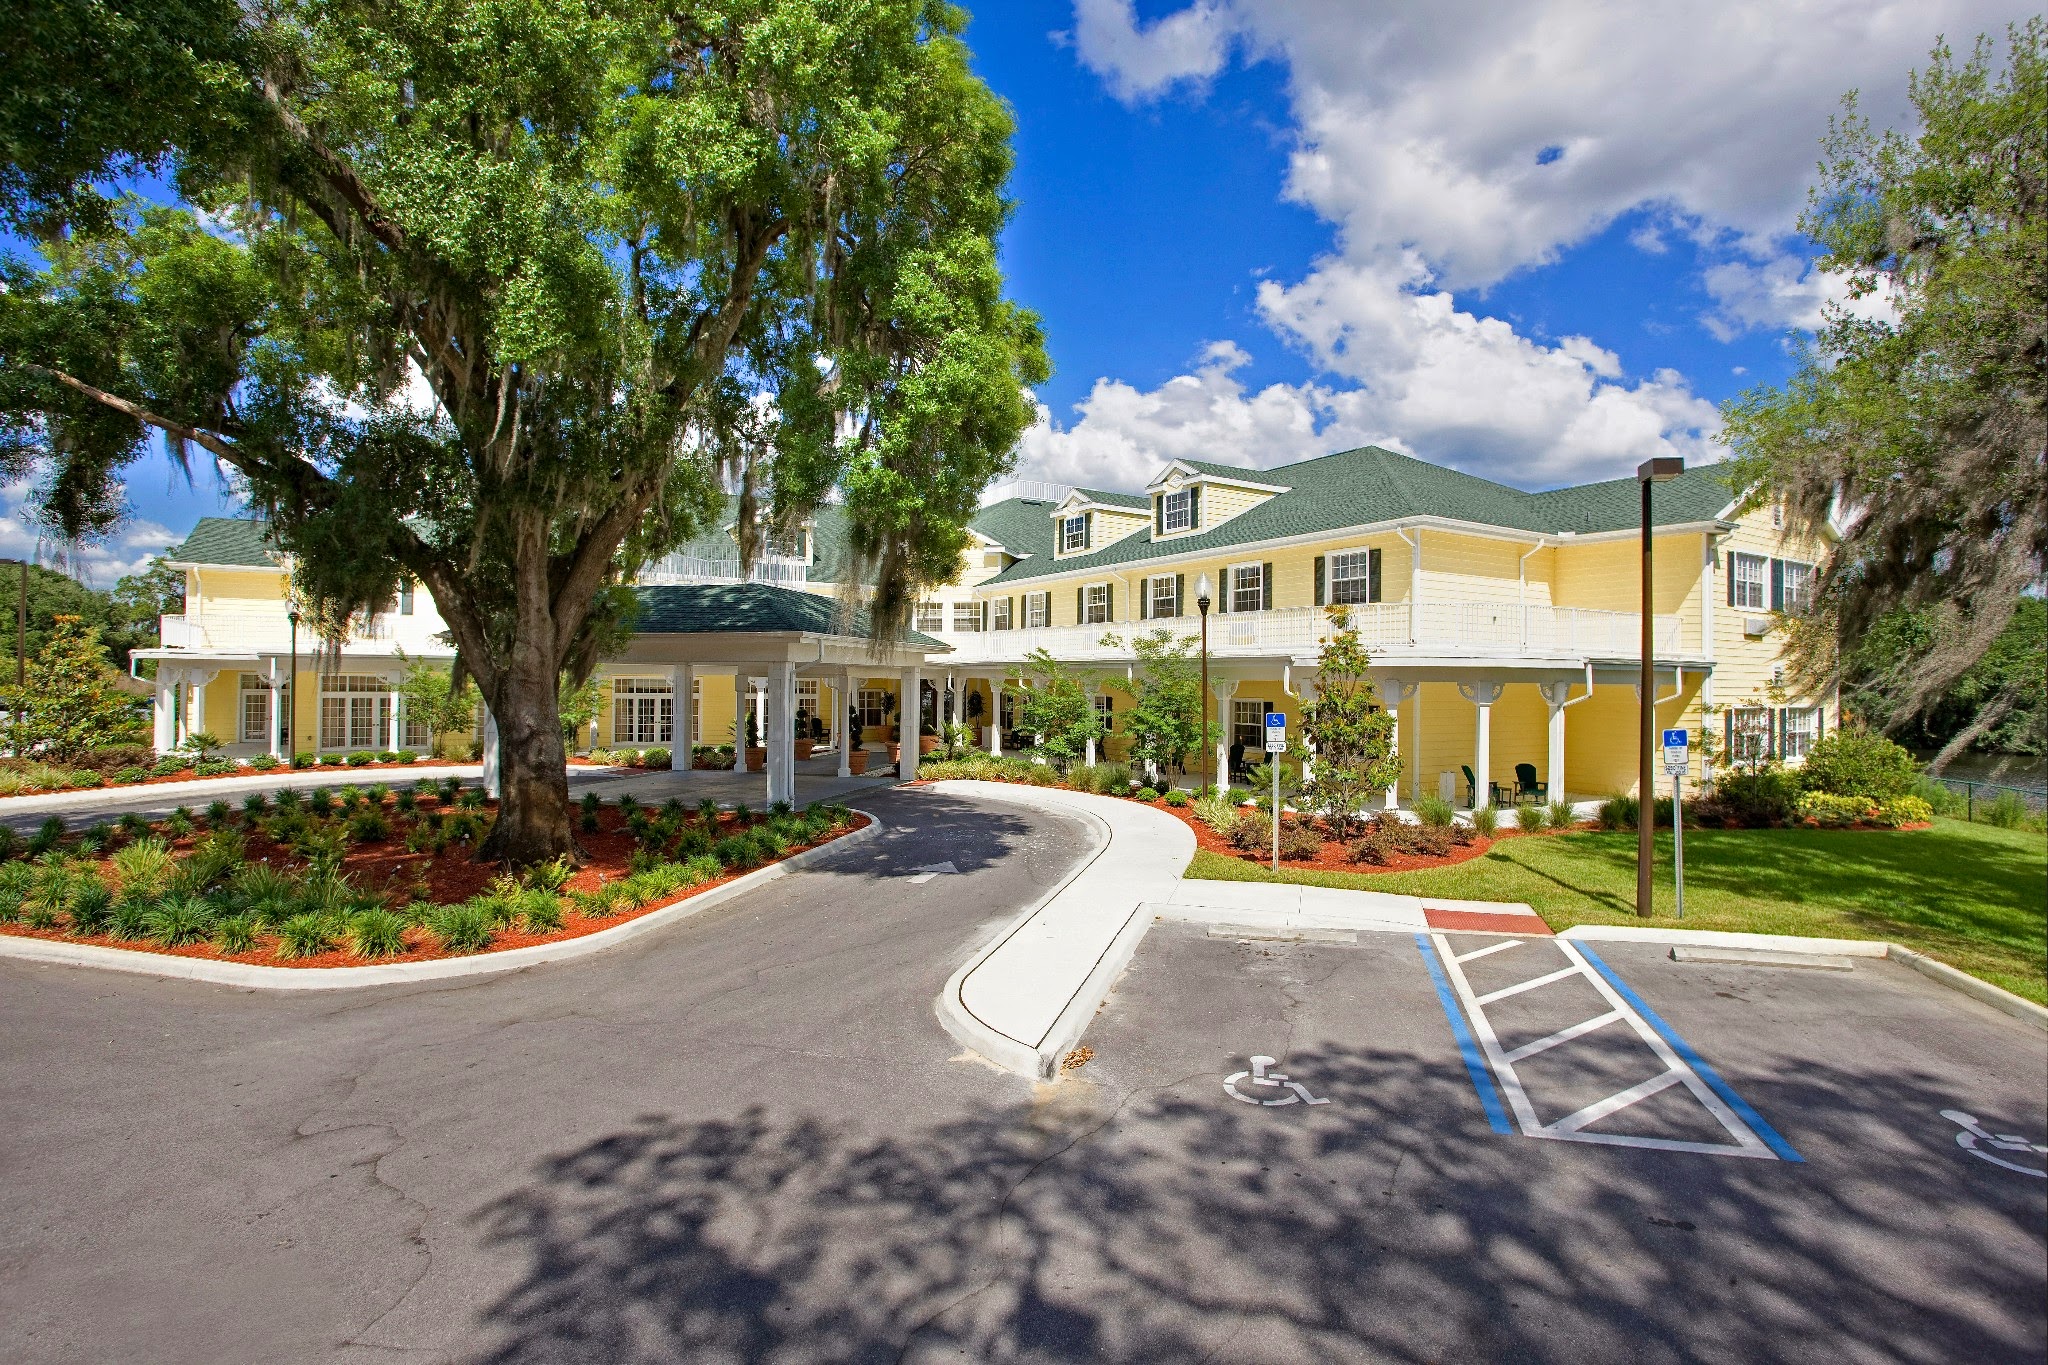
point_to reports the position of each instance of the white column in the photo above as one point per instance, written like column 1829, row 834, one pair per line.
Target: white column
column 198, row 679
column 491, row 785
column 742, row 698
column 682, row 716
column 780, row 692
column 1224, row 690
column 956, row 684
column 168, row 683
column 393, row 733
column 842, row 725
column 1088, row 691
column 1555, row 694
column 1395, row 695
column 276, row 714
column 912, row 712
column 1482, row 695
column 995, row 717
column 1308, row 764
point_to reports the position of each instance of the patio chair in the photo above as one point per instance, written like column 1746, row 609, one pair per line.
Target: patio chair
column 1527, row 785
column 1471, row 785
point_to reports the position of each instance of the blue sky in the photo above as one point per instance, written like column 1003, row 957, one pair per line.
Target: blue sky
column 1538, row 242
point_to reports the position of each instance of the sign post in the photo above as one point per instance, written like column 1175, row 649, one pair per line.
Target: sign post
column 1677, row 759
column 1276, row 745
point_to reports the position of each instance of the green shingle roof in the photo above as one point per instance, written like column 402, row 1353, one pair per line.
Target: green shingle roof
column 1107, row 497
column 750, row 608
column 1023, row 526
column 242, row 542
column 1371, row 484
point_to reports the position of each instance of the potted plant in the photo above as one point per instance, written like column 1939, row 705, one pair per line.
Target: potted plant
column 856, row 760
column 801, row 732
column 895, row 730
column 975, row 708
column 856, row 756
column 927, row 740
column 757, row 756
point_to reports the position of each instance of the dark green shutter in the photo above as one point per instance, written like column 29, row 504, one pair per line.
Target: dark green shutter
column 1731, row 578
column 1180, row 594
column 1080, row 606
column 1144, row 599
column 1266, row 588
column 1728, row 735
column 1087, row 530
column 1158, row 516
column 1195, row 507
column 1321, row 562
column 1777, row 585
column 1372, row 579
column 1108, row 602
column 1223, row 591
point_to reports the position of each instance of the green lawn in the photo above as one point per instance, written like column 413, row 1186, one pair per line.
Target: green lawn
column 1971, row 895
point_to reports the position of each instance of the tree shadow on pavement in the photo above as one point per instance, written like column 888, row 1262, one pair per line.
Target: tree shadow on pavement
column 1174, row 1225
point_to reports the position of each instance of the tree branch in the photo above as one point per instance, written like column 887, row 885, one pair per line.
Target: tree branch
column 199, row 436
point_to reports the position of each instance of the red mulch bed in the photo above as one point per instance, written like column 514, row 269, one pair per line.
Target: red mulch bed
column 445, row 879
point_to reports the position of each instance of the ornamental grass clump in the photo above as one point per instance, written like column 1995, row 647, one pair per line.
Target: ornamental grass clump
column 179, row 920
column 233, row 934
column 305, row 935
column 49, row 896
column 540, row 912
column 92, row 904
column 219, row 814
column 1562, row 816
column 1486, row 821
column 47, row 836
column 143, row 867
column 461, row 928
column 375, row 933
column 129, row 919
column 255, row 804
column 1435, row 812
column 1218, row 813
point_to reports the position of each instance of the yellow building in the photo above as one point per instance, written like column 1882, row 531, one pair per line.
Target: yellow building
column 1503, row 625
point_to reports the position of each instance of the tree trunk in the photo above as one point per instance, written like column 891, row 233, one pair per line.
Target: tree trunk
column 533, row 805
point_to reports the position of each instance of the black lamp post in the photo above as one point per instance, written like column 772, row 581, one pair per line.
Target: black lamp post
column 291, row 685
column 1202, row 606
column 1659, row 470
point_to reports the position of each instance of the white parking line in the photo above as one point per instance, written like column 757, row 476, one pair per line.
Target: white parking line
column 1686, row 1070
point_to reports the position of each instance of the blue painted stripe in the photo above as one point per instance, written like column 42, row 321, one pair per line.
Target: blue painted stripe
column 1692, row 1059
column 1475, row 1067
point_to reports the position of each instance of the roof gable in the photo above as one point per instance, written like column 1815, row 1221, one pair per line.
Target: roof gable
column 233, row 542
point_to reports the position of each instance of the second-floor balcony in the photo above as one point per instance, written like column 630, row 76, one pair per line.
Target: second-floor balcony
column 679, row 568
column 1390, row 630
column 254, row 630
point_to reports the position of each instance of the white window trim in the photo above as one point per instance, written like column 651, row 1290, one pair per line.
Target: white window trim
column 1804, row 606
column 1808, row 720
column 1257, row 566
column 1761, row 731
column 1069, row 543
column 1038, row 609
column 966, row 617
column 928, row 617
column 1761, row 564
column 1186, row 497
column 1364, row 579
column 1088, row 604
column 1152, row 586
column 879, row 708
column 1001, row 616
column 245, row 695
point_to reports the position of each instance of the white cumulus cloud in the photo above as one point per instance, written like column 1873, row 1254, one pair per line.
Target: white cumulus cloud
column 1142, row 61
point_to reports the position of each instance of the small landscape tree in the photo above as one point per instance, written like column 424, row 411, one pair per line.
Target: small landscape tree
column 73, row 703
column 1165, row 724
column 1053, row 703
column 433, row 699
column 1352, row 732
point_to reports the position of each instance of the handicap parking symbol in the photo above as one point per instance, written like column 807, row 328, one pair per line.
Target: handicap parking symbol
column 1295, row 1091
column 1980, row 1144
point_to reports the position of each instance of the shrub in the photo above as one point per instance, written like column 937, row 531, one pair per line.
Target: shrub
column 1299, row 838
column 1532, row 819
column 541, row 912
column 48, row 897
column 450, row 787
column 1176, row 798
column 129, row 920
column 287, row 798
column 131, row 775
column 263, row 763
column 1434, row 811
column 1940, row 797
column 94, row 838
column 368, row 827
column 91, row 906
column 1217, row 813
column 254, row 804
column 143, row 866
column 304, row 935
column 1619, row 812
column 2006, row 811
column 170, row 765
column 234, row 933
column 656, row 758
column 1857, row 763
column 1562, row 816
column 470, row 798
column 215, row 767
column 1147, row 794
column 1486, row 821
column 1903, row 810
column 1375, row 847
column 347, row 794
column 464, row 928
column 361, row 758
column 219, row 814
column 1252, row 832
column 47, row 836
column 305, row 760
column 1435, row 840
column 1832, row 811
column 320, row 801
column 87, row 778
column 406, row 803
column 387, row 755
column 375, row 933
column 1755, row 797
column 179, row 920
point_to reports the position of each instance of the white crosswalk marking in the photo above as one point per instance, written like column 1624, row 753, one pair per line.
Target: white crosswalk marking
column 1673, row 1069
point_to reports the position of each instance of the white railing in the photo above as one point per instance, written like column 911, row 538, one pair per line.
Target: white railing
column 246, row 630
column 1457, row 629
column 681, row 568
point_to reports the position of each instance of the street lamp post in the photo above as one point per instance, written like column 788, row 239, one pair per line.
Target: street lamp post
column 1202, row 605
column 1659, row 470
column 291, row 686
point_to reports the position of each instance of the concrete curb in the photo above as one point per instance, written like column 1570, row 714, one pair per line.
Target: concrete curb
column 1997, row 997
column 1029, row 933
column 253, row 976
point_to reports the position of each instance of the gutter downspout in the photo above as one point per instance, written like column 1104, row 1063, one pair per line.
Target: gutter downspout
column 1522, row 591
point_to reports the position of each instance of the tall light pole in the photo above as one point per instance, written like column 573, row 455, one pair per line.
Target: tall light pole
column 1202, row 605
column 291, row 686
column 1659, row 470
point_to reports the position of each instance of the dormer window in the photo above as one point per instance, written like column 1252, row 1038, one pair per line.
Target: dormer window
column 1177, row 511
column 1074, row 533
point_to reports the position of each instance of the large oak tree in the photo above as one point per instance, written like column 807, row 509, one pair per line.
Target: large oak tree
column 505, row 296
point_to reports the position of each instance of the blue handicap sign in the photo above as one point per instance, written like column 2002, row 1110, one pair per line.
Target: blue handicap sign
column 1673, row 739
column 1276, row 721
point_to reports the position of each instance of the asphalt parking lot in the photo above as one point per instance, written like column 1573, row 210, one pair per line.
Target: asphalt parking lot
column 1822, row 1210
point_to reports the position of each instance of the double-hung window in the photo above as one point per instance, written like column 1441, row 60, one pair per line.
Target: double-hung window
column 405, row 599
column 1749, row 585
column 966, row 616
column 930, row 617
column 643, row 711
column 1037, row 610
column 1350, row 577
column 1105, row 711
column 1802, row 728
column 1074, row 533
column 1163, row 593
column 255, row 709
column 873, row 706
column 1795, row 587
column 1749, row 734
column 1095, row 604
column 1248, row 725
column 1248, row 587
column 999, row 613
column 1177, row 511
